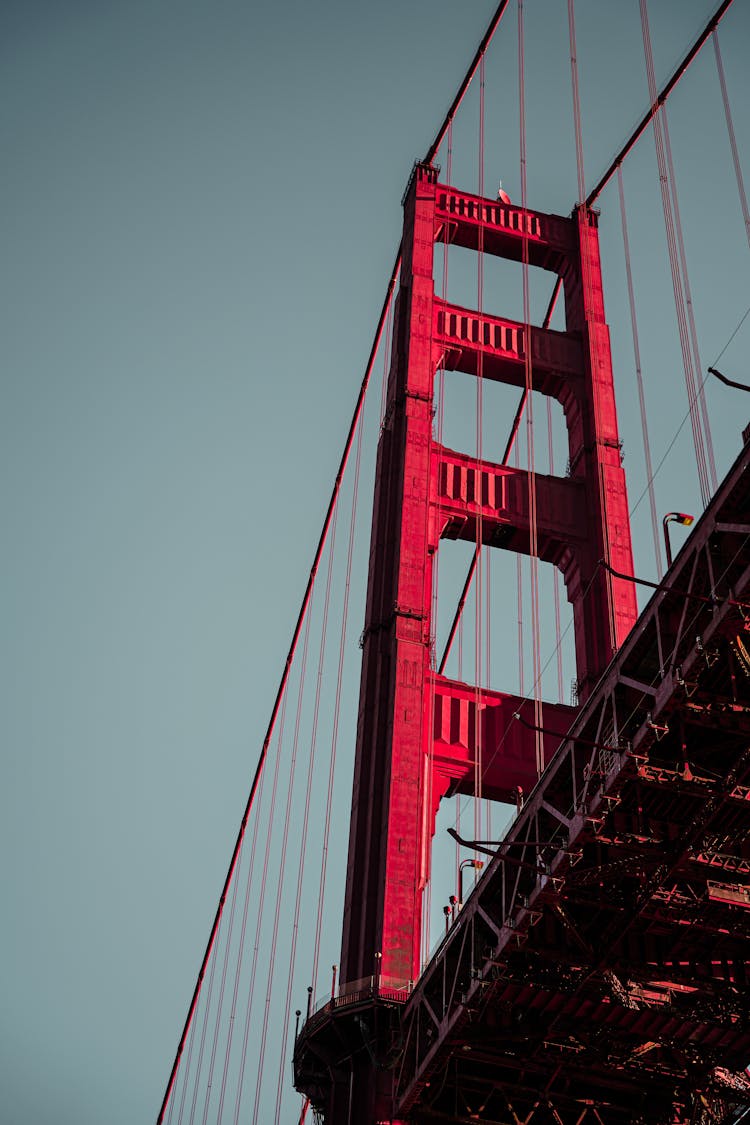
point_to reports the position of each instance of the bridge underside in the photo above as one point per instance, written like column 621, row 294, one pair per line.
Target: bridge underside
column 600, row 970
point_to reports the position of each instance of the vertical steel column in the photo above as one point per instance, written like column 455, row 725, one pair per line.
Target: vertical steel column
column 604, row 608
column 388, row 853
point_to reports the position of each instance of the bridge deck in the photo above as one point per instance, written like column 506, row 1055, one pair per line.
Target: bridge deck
column 600, row 969
column 601, row 965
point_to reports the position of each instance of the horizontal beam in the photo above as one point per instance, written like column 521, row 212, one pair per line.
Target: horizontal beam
column 468, row 493
column 474, row 222
column 507, row 748
column 465, row 340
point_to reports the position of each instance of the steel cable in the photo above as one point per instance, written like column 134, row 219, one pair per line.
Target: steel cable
column 732, row 136
column 281, row 869
column 639, row 379
column 302, row 851
column 667, row 195
column 528, row 374
column 336, row 716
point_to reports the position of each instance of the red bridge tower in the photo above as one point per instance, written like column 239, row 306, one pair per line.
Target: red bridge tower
column 419, row 732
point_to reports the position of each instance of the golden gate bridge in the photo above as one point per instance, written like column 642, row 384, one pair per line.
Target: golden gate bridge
column 597, row 968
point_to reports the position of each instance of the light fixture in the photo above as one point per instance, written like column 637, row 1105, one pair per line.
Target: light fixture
column 477, row 864
column 674, row 517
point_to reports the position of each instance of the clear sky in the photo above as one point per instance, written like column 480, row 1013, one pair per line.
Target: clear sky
column 200, row 212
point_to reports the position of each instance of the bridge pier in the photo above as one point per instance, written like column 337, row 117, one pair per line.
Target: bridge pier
column 345, row 1057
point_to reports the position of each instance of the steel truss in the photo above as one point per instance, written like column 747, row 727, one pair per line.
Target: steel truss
column 600, row 971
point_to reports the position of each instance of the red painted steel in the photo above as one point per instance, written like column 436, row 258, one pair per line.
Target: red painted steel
column 603, row 958
column 505, row 770
column 387, row 860
column 425, row 492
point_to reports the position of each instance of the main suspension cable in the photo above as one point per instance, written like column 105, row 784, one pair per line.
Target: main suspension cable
column 659, row 101
column 467, row 80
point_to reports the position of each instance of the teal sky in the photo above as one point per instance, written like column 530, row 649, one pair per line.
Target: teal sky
column 200, row 212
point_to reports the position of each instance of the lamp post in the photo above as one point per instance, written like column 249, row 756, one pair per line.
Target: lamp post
column 477, row 864
column 376, row 974
column 674, row 517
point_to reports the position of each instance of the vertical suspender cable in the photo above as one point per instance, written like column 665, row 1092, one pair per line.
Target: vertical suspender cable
column 473, row 66
column 510, row 445
column 439, row 412
column 284, row 677
column 432, row 150
column 281, row 869
column 301, row 858
column 576, row 101
column 690, row 378
column 711, row 464
column 336, row 716
column 478, row 489
column 187, row 1075
column 658, row 101
column 202, row 1045
column 581, row 181
column 220, row 1003
column 249, row 889
column 266, row 858
column 519, row 599
column 556, row 575
column 483, row 595
column 533, row 544
column 441, row 408
column 639, row 381
column 251, row 870
column 551, row 454
column 264, row 874
column 246, row 906
column 732, row 137
column 587, row 284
